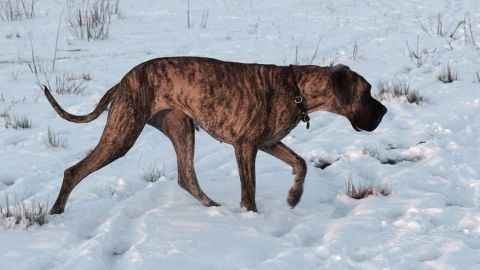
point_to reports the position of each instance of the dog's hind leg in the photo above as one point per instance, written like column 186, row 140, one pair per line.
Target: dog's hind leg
column 124, row 124
column 179, row 128
column 282, row 152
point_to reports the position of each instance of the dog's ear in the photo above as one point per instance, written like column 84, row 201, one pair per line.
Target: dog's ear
column 338, row 67
column 341, row 78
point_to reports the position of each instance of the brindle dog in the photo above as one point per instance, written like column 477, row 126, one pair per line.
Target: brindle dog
column 250, row 106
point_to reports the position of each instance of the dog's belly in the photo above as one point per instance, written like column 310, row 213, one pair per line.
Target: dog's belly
column 232, row 133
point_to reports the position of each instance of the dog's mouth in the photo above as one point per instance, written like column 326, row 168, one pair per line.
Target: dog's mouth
column 362, row 126
column 354, row 124
column 356, row 128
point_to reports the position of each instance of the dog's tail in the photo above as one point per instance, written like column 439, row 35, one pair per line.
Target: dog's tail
column 102, row 104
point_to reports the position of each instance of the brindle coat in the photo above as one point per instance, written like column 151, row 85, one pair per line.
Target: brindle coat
column 250, row 106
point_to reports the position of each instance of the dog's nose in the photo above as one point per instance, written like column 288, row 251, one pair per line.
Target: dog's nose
column 384, row 110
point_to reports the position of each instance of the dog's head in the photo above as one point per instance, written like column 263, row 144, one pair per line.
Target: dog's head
column 340, row 90
column 354, row 100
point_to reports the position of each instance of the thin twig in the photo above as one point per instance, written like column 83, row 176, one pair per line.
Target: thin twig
column 56, row 40
column 188, row 14
column 296, row 55
column 314, row 56
column 423, row 26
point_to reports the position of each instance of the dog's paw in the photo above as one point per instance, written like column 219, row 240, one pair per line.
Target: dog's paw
column 294, row 196
column 249, row 206
column 210, row 203
column 56, row 210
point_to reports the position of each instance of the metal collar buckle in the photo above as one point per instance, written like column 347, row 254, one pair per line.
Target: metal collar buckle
column 298, row 99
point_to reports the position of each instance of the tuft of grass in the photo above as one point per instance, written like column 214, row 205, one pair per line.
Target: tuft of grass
column 400, row 90
column 17, row 122
column 152, row 174
column 5, row 114
column 86, row 77
column 70, row 85
column 448, row 75
column 478, row 76
column 436, row 27
column 418, row 56
column 21, row 214
column 370, row 151
column 363, row 191
column 54, row 139
column 91, row 20
column 16, row 10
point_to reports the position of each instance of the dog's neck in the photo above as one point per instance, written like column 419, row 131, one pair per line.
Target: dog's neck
column 317, row 89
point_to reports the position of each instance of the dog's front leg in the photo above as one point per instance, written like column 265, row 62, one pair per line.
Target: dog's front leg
column 299, row 167
column 246, row 154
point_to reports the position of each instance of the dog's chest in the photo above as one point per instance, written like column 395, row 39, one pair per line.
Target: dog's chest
column 279, row 124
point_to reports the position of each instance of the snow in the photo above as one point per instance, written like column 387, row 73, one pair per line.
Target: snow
column 116, row 220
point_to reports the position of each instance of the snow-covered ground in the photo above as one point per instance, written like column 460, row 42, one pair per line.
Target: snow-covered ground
column 116, row 220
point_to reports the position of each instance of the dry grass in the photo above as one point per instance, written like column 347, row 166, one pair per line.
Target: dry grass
column 448, row 75
column 363, row 191
column 436, row 27
column 21, row 214
column 370, row 151
column 17, row 122
column 91, row 21
column 400, row 90
column 189, row 25
column 38, row 68
column 203, row 23
column 418, row 56
column 306, row 60
column 152, row 174
column 70, row 85
column 468, row 33
column 54, row 139
column 5, row 113
column 16, row 10
column 354, row 52
column 86, row 77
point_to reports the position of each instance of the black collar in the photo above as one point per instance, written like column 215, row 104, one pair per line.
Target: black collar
column 300, row 100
